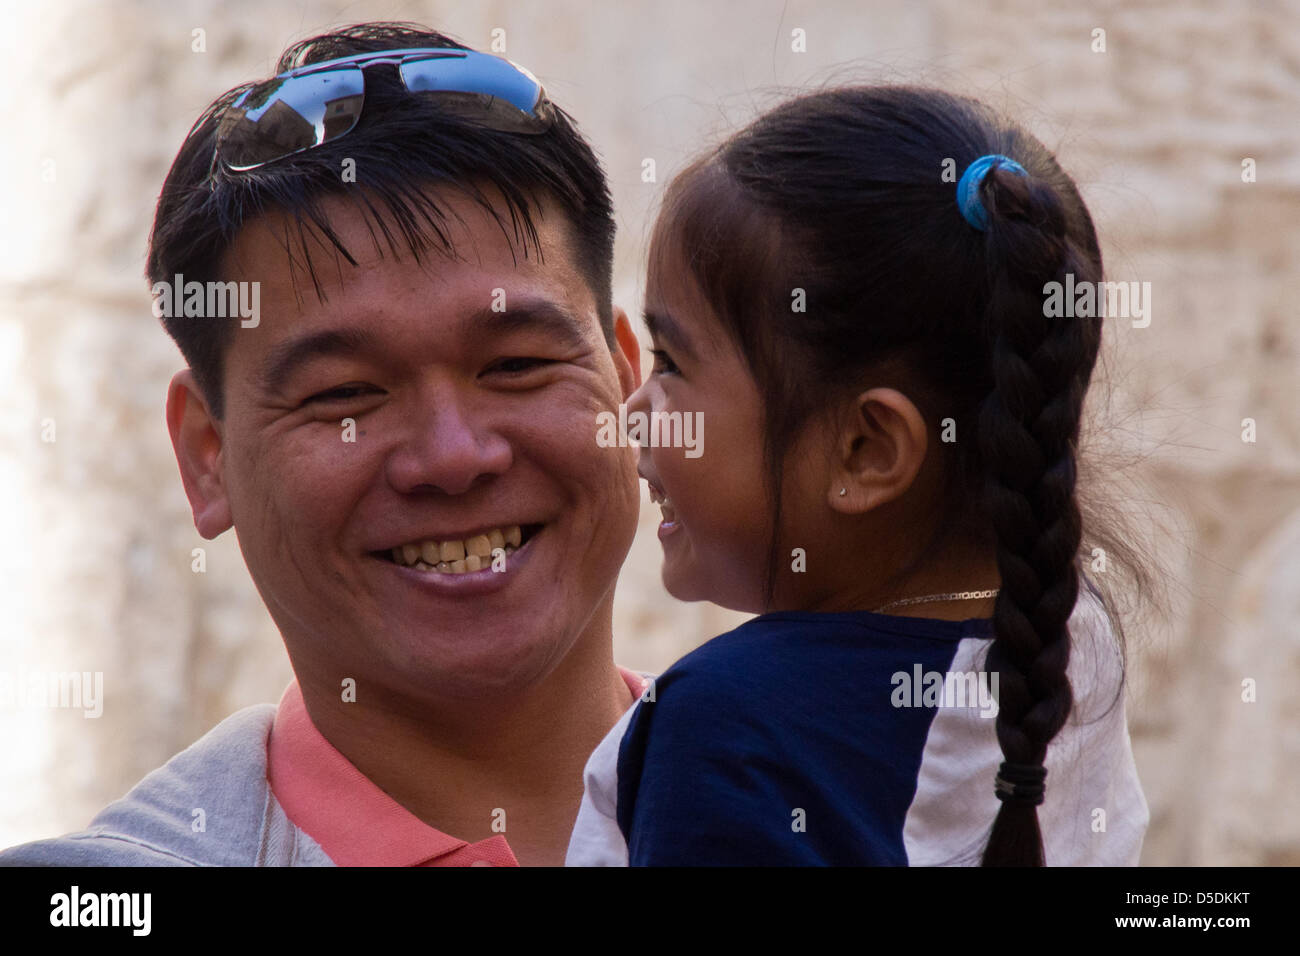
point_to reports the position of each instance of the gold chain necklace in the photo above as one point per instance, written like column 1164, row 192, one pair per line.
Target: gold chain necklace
column 926, row 599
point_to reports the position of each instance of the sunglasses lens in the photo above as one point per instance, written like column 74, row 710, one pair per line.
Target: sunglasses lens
column 484, row 89
column 290, row 114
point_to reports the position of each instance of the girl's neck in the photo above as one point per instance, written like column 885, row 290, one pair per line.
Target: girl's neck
column 953, row 569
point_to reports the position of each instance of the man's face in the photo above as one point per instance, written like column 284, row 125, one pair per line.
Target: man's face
column 418, row 408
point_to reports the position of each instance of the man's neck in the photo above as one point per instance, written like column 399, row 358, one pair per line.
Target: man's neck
column 515, row 760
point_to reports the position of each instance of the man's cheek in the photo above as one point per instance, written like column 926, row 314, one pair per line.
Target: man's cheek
column 328, row 445
column 324, row 454
column 273, row 489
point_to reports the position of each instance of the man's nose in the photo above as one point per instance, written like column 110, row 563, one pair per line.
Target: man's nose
column 450, row 445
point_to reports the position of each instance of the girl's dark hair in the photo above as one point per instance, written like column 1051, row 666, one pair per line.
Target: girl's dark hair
column 402, row 148
column 850, row 195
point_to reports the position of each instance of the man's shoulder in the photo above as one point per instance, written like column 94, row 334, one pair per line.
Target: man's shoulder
column 210, row 805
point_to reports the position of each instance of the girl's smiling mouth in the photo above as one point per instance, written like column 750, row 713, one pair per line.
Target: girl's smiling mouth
column 669, row 523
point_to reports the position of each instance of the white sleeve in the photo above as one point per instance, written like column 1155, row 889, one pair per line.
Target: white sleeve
column 597, row 839
column 1099, row 815
column 1094, row 813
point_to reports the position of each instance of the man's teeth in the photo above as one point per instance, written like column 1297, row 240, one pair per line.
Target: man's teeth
column 459, row 556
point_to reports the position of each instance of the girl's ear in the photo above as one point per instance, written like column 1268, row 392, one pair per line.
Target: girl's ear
column 879, row 451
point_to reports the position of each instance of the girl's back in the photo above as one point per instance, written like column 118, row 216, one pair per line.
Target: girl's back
column 852, row 739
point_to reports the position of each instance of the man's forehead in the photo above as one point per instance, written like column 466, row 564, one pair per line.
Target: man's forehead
column 358, row 239
column 385, row 299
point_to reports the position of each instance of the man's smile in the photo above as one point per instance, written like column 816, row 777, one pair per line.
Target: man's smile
column 490, row 558
column 489, row 573
column 454, row 553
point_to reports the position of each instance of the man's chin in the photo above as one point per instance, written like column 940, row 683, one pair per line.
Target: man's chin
column 503, row 658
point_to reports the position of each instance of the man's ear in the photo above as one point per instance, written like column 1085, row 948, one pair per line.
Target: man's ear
column 627, row 357
column 196, row 439
column 879, row 451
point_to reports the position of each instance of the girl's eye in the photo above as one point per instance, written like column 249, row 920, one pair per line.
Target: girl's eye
column 663, row 364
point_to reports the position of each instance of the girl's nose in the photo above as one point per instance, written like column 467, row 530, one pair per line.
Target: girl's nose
column 640, row 399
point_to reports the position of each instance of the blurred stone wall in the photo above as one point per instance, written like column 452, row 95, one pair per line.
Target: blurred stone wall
column 97, row 573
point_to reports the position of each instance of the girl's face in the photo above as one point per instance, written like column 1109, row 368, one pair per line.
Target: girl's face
column 716, row 512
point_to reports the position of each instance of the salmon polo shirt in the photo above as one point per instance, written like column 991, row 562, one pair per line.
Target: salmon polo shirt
column 352, row 819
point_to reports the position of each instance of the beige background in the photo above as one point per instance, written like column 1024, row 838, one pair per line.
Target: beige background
column 95, row 574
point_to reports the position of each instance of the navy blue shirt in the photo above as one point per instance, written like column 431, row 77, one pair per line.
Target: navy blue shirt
column 789, row 740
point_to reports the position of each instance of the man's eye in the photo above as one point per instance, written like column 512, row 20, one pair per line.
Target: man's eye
column 520, row 364
column 341, row 394
column 664, row 365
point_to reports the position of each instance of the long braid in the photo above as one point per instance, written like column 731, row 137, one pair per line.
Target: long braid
column 1028, row 432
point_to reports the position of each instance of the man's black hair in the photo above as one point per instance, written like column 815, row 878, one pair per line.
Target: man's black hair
column 404, row 148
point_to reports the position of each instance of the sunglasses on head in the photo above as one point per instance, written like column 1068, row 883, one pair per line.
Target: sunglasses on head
column 320, row 102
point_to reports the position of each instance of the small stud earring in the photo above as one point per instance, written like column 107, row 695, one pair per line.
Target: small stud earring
column 843, row 492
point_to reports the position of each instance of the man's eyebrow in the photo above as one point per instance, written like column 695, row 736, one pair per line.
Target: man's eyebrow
column 541, row 314
column 286, row 357
column 663, row 326
column 482, row 326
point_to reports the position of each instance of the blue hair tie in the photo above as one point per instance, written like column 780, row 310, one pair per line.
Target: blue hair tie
column 968, row 187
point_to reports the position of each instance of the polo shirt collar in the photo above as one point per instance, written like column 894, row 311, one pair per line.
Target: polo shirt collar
column 354, row 821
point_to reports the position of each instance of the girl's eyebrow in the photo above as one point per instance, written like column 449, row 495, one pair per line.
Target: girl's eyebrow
column 662, row 326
